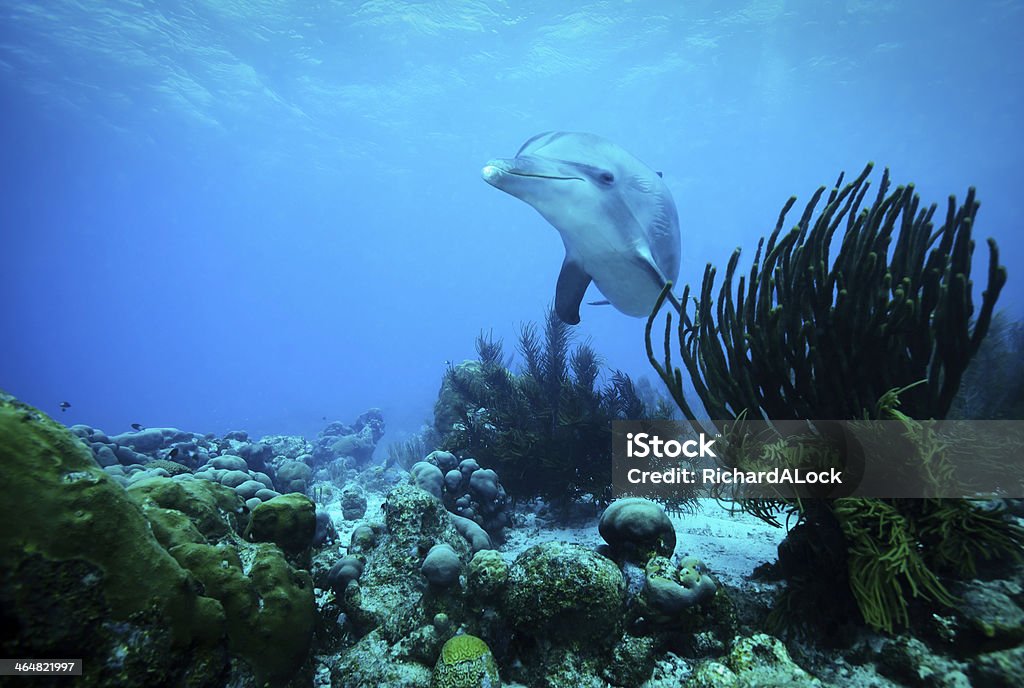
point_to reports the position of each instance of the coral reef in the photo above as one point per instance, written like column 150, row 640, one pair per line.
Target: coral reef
column 148, row 584
column 356, row 442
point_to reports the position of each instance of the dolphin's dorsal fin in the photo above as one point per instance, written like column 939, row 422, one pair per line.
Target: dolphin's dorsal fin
column 659, row 174
column 572, row 285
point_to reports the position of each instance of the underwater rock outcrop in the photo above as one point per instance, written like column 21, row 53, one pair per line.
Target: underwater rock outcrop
column 357, row 441
column 753, row 662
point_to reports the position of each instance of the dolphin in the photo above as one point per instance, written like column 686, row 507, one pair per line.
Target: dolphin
column 617, row 219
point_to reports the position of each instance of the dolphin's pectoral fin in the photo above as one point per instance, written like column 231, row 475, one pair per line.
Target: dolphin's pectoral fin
column 572, row 285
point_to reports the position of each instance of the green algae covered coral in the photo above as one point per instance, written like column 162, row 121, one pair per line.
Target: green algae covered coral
column 149, row 586
column 567, row 594
column 465, row 662
column 77, row 549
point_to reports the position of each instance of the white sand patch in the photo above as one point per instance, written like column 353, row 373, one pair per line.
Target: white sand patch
column 732, row 545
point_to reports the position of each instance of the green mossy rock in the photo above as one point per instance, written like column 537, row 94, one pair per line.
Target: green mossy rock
column 1002, row 669
column 289, row 521
column 758, row 661
column 84, row 576
column 486, row 577
column 566, row 594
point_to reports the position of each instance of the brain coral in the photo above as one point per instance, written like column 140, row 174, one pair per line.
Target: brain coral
column 465, row 662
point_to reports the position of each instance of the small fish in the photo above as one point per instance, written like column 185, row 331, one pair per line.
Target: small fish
column 324, row 418
column 136, row 426
column 64, row 406
column 174, row 452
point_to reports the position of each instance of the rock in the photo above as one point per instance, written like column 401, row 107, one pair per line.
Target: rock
column 229, row 462
column 234, row 478
column 76, row 545
column 671, row 588
column 357, row 441
column 325, row 532
column 249, row 488
column 143, row 441
column 293, row 476
column 908, row 661
column 758, row 660
column 476, row 536
column 363, row 540
column 214, row 510
column 105, row 455
column 990, row 618
column 446, row 461
column 373, row 662
column 353, row 502
column 1002, row 669
column 289, row 446
column 141, row 583
column 428, row 478
column 486, row 577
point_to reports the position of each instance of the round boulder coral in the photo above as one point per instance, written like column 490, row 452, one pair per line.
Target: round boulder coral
column 427, row 477
column 441, row 567
column 347, row 569
column 465, row 662
column 564, row 593
column 635, row 529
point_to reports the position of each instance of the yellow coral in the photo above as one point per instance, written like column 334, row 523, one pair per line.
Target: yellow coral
column 466, row 662
column 463, row 648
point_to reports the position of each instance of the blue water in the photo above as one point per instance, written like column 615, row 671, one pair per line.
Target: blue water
column 256, row 215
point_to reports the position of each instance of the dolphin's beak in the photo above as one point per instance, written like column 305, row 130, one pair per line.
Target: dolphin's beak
column 494, row 170
column 503, row 170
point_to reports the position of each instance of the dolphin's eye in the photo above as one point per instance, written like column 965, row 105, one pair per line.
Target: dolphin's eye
column 607, row 177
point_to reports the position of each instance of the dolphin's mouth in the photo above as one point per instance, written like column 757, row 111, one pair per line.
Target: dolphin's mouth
column 494, row 170
column 540, row 176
